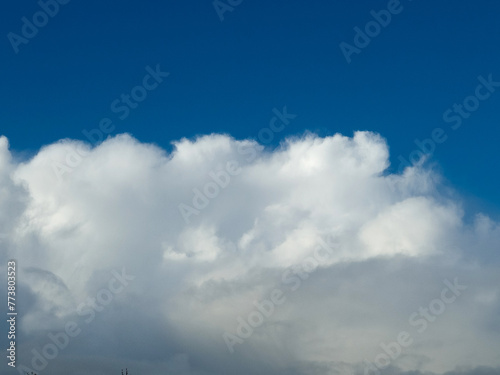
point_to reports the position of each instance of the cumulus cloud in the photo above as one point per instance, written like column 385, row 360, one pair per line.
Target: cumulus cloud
column 210, row 230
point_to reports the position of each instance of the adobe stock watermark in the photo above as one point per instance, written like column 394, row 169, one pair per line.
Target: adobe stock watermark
column 122, row 107
column 29, row 29
column 421, row 319
column 58, row 341
column 222, row 7
column 372, row 29
column 221, row 178
column 292, row 278
column 455, row 115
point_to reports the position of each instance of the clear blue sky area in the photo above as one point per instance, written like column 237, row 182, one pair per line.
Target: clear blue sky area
column 230, row 66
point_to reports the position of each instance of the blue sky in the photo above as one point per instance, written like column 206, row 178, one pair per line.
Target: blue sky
column 208, row 232
column 226, row 76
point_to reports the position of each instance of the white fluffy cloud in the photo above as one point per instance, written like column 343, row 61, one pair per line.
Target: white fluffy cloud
column 397, row 238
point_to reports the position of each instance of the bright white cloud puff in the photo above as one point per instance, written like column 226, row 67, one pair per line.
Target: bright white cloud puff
column 213, row 229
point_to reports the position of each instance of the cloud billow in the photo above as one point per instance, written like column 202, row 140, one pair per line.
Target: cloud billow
column 398, row 238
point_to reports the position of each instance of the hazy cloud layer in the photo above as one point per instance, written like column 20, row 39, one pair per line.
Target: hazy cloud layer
column 397, row 240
